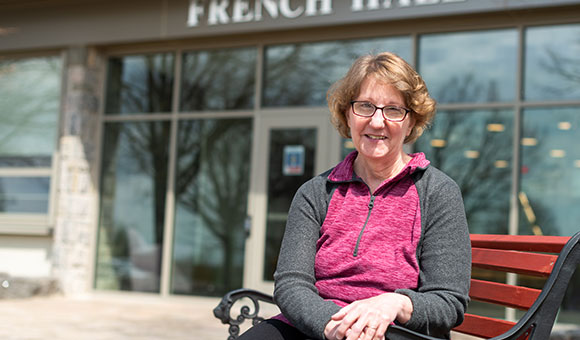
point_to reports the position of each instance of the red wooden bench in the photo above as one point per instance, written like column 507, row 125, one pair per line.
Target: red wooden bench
column 552, row 257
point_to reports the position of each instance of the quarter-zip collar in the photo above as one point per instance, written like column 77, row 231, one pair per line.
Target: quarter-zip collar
column 344, row 171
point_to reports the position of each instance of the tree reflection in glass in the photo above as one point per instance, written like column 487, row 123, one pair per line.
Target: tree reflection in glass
column 474, row 148
column 552, row 70
column 550, row 183
column 218, row 79
column 470, row 67
column 300, row 74
column 550, row 174
column 140, row 84
column 133, row 190
column 211, row 191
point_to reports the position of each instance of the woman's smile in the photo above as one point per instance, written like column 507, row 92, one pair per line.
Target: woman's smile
column 376, row 137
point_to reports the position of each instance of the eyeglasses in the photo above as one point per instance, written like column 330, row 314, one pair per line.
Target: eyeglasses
column 390, row 113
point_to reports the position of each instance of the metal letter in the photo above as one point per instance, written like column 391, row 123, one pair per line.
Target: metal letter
column 241, row 11
column 271, row 7
column 325, row 7
column 195, row 11
column 358, row 5
column 426, row 2
column 286, row 11
column 217, row 12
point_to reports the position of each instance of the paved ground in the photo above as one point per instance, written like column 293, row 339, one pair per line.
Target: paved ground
column 110, row 317
column 118, row 316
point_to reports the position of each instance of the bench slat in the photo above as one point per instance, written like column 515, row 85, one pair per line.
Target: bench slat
column 545, row 244
column 514, row 261
column 503, row 294
column 483, row 326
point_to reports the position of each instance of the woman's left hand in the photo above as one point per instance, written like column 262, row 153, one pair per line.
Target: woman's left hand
column 368, row 319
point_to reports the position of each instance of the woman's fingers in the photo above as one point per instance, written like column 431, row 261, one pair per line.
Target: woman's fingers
column 369, row 333
column 381, row 330
column 348, row 324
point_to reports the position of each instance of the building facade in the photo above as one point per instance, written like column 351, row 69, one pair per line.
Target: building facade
column 155, row 145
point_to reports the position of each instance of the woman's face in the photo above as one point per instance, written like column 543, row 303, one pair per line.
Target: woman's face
column 376, row 138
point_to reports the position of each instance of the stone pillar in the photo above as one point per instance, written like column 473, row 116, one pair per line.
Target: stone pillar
column 77, row 192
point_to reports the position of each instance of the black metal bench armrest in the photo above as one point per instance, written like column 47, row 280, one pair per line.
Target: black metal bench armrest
column 223, row 310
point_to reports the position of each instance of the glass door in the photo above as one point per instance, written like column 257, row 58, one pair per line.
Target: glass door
column 288, row 151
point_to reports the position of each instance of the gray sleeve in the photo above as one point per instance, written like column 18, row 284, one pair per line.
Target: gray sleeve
column 444, row 256
column 294, row 291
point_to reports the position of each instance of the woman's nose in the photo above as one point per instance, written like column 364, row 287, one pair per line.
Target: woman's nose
column 377, row 120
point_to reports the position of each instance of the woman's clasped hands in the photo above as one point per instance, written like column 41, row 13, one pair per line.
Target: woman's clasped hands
column 368, row 319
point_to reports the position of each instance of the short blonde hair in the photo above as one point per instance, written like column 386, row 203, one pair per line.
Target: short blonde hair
column 388, row 68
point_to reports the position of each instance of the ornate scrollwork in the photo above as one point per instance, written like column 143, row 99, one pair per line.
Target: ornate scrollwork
column 223, row 310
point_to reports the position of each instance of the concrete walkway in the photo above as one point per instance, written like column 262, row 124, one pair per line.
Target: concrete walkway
column 110, row 317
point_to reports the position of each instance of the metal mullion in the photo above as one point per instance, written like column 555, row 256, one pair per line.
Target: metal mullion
column 475, row 106
column 415, row 50
column 550, row 104
column 259, row 83
column 136, row 117
column 169, row 221
column 215, row 114
column 96, row 172
column 511, row 278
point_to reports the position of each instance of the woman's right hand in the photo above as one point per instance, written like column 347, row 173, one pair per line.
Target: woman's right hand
column 369, row 319
column 330, row 331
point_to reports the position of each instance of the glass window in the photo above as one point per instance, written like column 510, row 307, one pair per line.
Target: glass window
column 469, row 67
column 475, row 149
column 133, row 190
column 551, row 63
column 550, row 183
column 218, row 80
column 140, row 84
column 29, row 114
column 211, row 192
column 550, row 174
column 24, row 195
column 552, row 58
column 300, row 74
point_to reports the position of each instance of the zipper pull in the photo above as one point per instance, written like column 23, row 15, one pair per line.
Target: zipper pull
column 372, row 202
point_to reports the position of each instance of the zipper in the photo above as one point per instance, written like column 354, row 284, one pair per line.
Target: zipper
column 371, row 204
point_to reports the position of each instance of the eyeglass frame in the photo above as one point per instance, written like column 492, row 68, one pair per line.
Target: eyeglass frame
column 352, row 102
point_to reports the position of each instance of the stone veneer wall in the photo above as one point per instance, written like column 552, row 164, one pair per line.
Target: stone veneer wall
column 77, row 195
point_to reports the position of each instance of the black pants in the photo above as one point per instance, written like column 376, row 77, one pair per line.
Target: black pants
column 272, row 329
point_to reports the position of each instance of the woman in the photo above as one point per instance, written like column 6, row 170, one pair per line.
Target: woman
column 380, row 238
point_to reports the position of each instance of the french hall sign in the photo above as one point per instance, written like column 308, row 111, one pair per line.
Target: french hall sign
column 225, row 12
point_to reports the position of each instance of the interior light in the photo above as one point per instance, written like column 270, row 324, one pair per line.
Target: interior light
column 471, row 154
column 558, row 153
column 438, row 143
column 495, row 127
column 501, row 164
column 577, row 163
column 564, row 125
column 348, row 144
column 529, row 141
